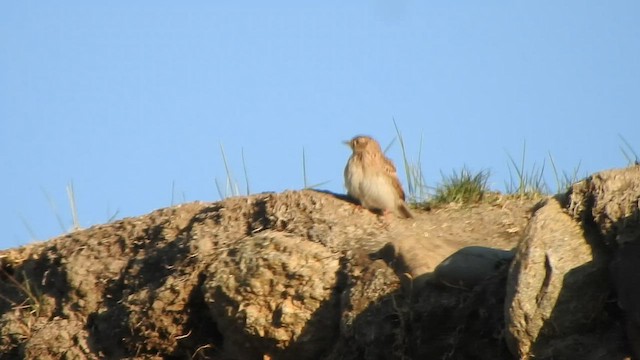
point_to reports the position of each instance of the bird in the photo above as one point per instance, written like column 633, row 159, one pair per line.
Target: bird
column 371, row 178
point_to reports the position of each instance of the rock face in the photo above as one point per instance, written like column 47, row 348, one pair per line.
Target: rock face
column 308, row 275
column 560, row 288
column 556, row 289
column 261, row 314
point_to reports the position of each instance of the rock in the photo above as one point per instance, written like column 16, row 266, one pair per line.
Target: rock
column 624, row 271
column 610, row 201
column 281, row 276
column 471, row 265
column 269, row 292
column 557, row 288
column 607, row 204
column 59, row 339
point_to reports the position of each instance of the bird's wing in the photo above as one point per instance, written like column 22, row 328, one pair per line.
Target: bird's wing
column 388, row 165
column 390, row 170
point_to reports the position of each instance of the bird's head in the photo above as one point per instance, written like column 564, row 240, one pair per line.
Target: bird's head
column 363, row 143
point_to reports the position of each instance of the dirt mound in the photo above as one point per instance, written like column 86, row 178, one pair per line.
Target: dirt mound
column 296, row 275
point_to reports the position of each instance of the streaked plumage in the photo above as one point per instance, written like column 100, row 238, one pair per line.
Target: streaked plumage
column 371, row 178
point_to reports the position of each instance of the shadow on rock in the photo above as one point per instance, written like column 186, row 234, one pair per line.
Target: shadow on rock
column 584, row 322
column 434, row 322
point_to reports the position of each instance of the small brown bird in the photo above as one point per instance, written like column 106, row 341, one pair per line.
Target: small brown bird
column 371, row 178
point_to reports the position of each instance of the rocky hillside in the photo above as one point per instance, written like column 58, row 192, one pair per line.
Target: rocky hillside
column 310, row 275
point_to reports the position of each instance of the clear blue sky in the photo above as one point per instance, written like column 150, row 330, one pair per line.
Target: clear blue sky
column 127, row 98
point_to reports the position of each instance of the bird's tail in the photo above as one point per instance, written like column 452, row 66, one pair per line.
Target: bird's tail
column 404, row 211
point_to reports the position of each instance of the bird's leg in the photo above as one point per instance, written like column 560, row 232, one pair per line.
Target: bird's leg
column 385, row 217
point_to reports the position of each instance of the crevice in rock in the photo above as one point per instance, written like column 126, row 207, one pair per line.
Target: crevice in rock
column 201, row 340
column 107, row 328
column 548, row 270
column 259, row 220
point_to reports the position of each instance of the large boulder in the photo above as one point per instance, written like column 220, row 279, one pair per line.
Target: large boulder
column 607, row 204
column 579, row 252
column 272, row 293
column 556, row 289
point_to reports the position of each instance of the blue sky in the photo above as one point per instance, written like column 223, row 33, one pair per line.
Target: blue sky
column 129, row 100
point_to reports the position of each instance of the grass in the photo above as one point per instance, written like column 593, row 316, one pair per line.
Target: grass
column 113, row 216
column 417, row 189
column 405, row 161
column 54, row 209
column 526, row 182
column 75, row 225
column 173, row 194
column 26, row 302
column 463, row 187
column 632, row 160
column 29, row 228
column 33, row 297
column 304, row 174
column 244, row 168
column 231, row 187
column 74, row 210
column 564, row 180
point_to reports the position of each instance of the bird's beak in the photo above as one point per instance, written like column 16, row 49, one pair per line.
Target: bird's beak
column 347, row 142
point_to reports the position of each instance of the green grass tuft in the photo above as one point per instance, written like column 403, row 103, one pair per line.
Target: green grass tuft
column 464, row 187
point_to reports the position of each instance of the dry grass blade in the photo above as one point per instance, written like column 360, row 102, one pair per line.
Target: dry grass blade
column 54, row 208
column 74, row 210
column 304, row 169
column 530, row 183
column 407, row 168
column 29, row 228
column 246, row 173
column 173, row 191
column 231, row 186
column 33, row 296
column 416, row 185
column 564, row 180
column 304, row 174
column 632, row 160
